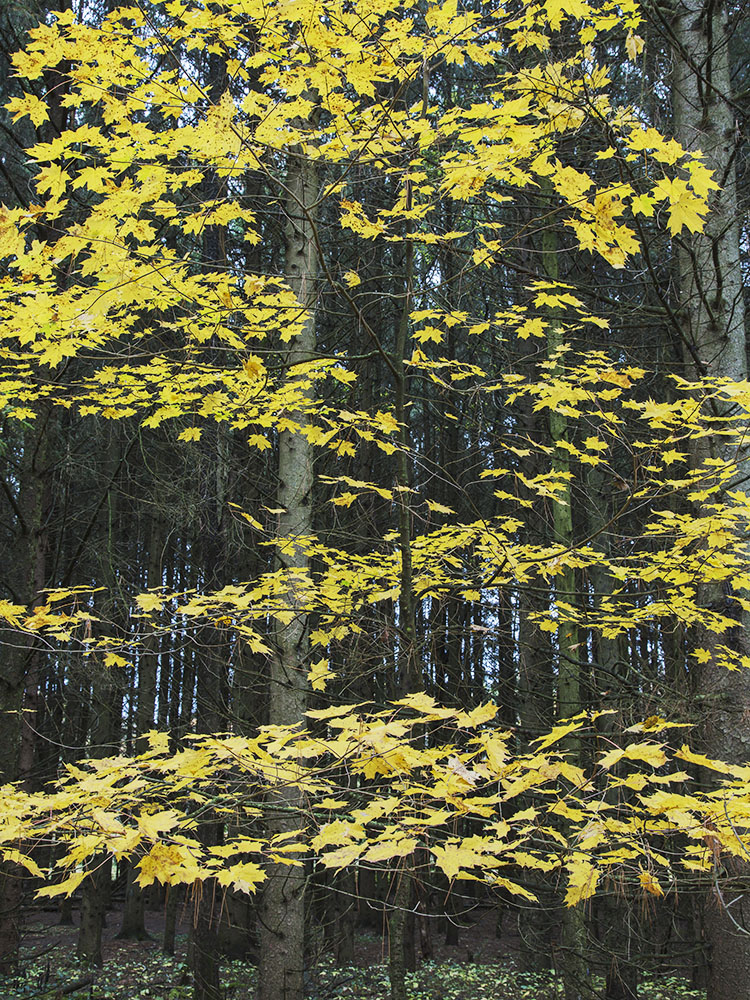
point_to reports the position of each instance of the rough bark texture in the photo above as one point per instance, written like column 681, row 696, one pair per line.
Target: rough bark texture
column 398, row 928
column 712, row 315
column 204, row 943
column 282, row 910
column 170, row 920
column 93, row 895
column 19, row 677
column 133, row 927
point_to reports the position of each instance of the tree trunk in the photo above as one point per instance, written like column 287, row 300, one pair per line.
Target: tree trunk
column 66, row 912
column 713, row 327
column 282, row 910
column 93, row 896
column 133, row 927
column 401, row 954
column 574, row 931
column 170, row 920
column 398, row 930
column 204, row 945
column 345, row 904
column 19, row 678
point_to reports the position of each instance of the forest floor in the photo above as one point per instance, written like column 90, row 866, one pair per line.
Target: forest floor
column 479, row 966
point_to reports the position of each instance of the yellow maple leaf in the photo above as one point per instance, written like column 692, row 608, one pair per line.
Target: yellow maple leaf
column 649, row 753
column 425, row 703
column 113, row 660
column 633, row 45
column 389, row 849
column 53, row 179
column 157, row 741
column 11, row 612
column 169, row 864
column 439, row 508
column 476, row 716
column 190, row 434
column 334, row 711
column 329, row 803
column 649, row 883
column 342, row 857
column 25, row 861
column 149, row 602
column 154, row 824
column 560, row 732
column 243, row 877
column 259, row 442
column 29, row 105
column 454, row 859
column 319, row 674
column 64, row 888
column 582, row 881
column 344, row 499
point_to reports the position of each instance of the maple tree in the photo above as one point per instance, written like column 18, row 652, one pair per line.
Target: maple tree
column 108, row 312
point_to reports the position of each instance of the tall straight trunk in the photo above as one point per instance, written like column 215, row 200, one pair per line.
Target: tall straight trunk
column 535, row 699
column 282, row 911
column 20, row 669
column 95, row 888
column 345, row 897
column 210, row 717
column 203, row 943
column 148, row 660
column 106, row 720
column 712, row 315
column 203, row 949
column 19, row 683
column 93, row 895
column 574, row 932
column 19, row 678
column 454, row 683
column 617, row 941
column 171, row 905
column 211, row 662
column 133, row 926
column 34, row 654
column 401, row 956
